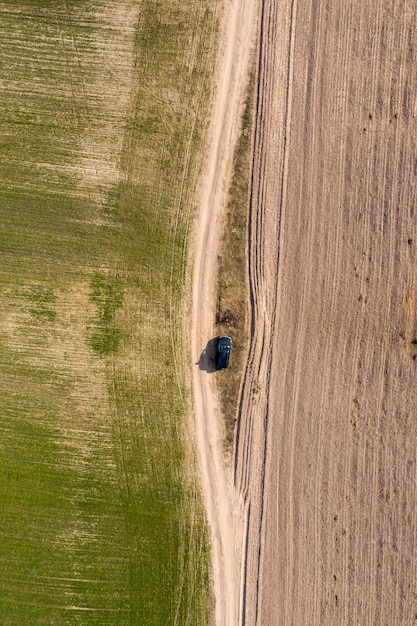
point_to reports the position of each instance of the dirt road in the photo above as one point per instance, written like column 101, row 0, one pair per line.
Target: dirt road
column 238, row 27
column 327, row 441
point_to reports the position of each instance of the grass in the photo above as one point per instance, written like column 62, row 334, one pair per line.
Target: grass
column 102, row 117
column 232, row 301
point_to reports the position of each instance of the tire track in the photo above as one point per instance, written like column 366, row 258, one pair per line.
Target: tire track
column 238, row 24
column 250, row 460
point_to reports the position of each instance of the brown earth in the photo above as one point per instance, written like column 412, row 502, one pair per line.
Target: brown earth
column 237, row 38
column 327, row 442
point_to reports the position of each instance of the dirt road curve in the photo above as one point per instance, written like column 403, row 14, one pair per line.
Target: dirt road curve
column 327, row 442
column 238, row 27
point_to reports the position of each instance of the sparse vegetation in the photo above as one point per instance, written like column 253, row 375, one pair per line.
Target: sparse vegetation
column 232, row 306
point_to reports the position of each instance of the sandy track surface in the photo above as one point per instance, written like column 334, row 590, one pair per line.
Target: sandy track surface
column 238, row 26
column 327, row 446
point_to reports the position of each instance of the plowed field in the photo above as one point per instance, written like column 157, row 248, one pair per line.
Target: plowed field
column 327, row 447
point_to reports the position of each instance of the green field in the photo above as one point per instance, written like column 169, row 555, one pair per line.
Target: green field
column 102, row 113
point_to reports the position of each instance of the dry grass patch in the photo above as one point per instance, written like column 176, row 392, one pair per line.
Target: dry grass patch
column 232, row 304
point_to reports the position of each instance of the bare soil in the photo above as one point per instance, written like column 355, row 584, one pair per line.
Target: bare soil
column 326, row 449
column 326, row 454
column 237, row 39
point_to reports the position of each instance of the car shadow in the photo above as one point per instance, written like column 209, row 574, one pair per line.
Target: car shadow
column 206, row 362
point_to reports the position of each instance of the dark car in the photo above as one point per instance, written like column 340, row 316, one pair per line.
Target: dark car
column 223, row 348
